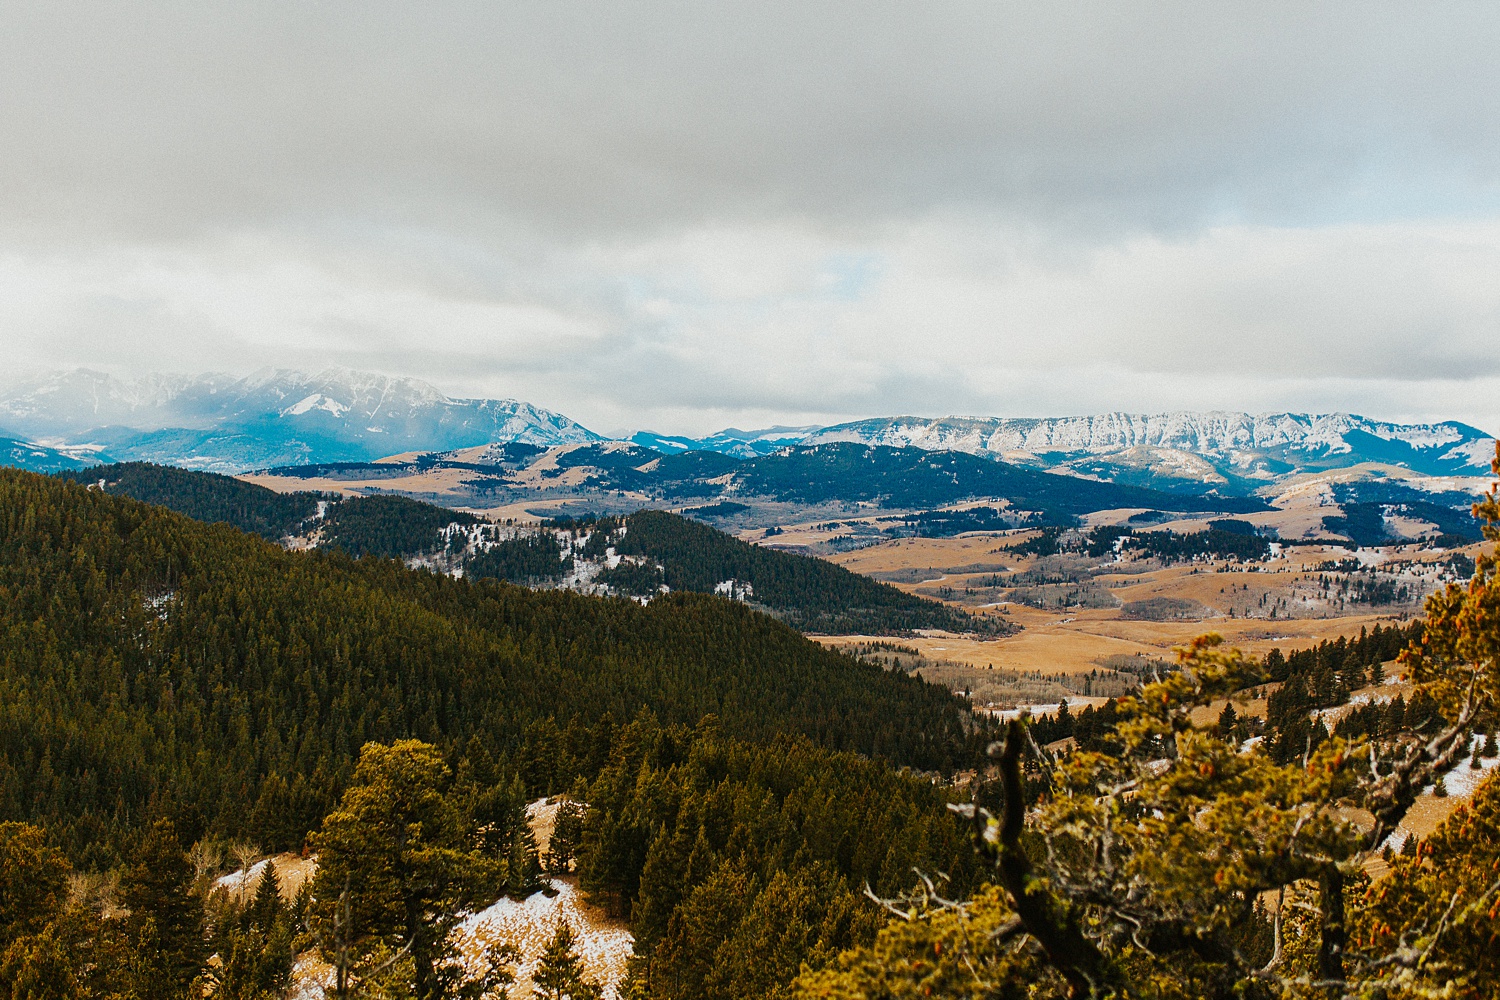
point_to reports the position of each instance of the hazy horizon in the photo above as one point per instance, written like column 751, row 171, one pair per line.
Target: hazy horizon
column 10, row 386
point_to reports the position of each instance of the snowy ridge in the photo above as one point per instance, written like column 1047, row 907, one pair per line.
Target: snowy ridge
column 1221, row 434
column 1183, row 444
column 730, row 441
column 1247, row 445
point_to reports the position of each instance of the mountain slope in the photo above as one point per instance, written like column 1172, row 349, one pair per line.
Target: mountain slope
column 916, row 478
column 730, row 441
column 21, row 454
column 1181, row 451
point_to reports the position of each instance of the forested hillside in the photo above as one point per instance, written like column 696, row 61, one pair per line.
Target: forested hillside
column 205, row 496
column 809, row 593
column 151, row 663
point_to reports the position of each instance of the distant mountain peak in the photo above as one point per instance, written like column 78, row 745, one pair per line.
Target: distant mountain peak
column 274, row 416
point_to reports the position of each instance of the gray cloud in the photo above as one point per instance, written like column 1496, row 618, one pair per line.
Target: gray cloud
column 693, row 214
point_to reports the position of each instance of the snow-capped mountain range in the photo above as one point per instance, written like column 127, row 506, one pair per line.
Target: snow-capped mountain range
column 1215, row 447
column 273, row 417
column 281, row 417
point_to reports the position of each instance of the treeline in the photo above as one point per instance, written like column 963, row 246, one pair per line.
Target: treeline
column 948, row 523
column 205, row 496
column 1322, row 676
column 1222, row 539
column 1364, row 523
column 1211, row 543
column 151, row 665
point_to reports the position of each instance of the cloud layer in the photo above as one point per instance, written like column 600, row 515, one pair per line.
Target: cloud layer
column 749, row 213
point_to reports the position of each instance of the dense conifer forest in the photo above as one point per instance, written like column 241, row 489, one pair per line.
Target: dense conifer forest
column 156, row 665
column 168, row 682
column 387, row 526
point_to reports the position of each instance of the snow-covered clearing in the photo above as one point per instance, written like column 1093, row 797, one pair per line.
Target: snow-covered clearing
column 1429, row 810
column 603, row 945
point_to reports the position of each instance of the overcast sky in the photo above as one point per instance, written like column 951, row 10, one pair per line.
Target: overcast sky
column 688, row 216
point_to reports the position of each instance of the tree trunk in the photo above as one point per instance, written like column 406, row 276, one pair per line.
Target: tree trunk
column 1333, row 935
column 1087, row 971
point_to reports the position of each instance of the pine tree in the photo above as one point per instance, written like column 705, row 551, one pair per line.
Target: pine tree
column 393, row 873
column 166, row 914
column 523, row 866
column 33, row 881
column 1228, row 719
column 1064, row 722
column 567, row 832
column 559, row 973
column 267, row 905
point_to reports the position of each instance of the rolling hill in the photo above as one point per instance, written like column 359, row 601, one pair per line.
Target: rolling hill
column 808, row 593
column 685, row 555
column 205, row 496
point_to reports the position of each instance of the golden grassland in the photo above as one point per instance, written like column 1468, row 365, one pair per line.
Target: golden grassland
column 1078, row 639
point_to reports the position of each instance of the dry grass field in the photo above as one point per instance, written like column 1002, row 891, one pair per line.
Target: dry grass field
column 1077, row 639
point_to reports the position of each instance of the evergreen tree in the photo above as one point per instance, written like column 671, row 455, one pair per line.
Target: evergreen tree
column 559, row 973
column 1064, row 722
column 1228, row 720
column 166, row 915
column 267, row 905
column 523, row 866
column 393, row 873
column 567, row 832
column 33, row 881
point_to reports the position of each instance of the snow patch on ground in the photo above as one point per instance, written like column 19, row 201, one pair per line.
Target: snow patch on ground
column 242, row 879
column 603, row 946
column 1460, row 783
column 1464, row 778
